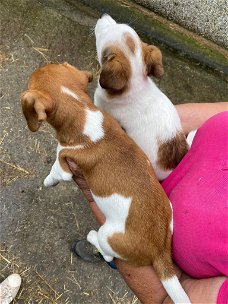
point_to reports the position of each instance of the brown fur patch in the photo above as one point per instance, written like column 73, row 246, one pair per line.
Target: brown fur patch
column 152, row 57
column 114, row 164
column 115, row 71
column 171, row 152
column 129, row 42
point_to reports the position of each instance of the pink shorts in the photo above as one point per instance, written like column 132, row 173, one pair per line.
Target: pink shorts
column 198, row 190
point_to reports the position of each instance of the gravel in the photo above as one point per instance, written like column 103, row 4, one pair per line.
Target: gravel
column 208, row 18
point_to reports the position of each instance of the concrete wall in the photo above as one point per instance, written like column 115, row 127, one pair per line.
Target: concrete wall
column 209, row 18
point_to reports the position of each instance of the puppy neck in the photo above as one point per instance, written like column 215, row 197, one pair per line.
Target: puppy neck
column 77, row 122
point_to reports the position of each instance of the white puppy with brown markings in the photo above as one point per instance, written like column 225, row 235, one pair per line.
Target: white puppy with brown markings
column 138, row 226
column 126, row 91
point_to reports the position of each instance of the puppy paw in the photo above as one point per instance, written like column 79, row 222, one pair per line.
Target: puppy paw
column 108, row 258
column 92, row 237
column 49, row 181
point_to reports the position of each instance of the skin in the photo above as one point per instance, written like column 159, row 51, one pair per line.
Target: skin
column 142, row 280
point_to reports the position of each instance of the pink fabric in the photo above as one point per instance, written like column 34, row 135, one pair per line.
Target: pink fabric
column 198, row 190
column 223, row 293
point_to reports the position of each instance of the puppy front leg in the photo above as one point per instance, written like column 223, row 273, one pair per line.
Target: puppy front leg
column 57, row 173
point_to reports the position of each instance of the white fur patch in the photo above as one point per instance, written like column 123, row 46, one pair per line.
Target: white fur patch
column 94, row 125
column 77, row 147
column 190, row 137
column 69, row 92
column 147, row 115
column 175, row 290
column 115, row 209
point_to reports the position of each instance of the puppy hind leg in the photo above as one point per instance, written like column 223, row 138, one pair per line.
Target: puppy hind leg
column 165, row 270
column 92, row 238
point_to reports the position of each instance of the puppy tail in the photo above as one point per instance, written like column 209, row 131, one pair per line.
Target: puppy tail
column 164, row 269
column 175, row 290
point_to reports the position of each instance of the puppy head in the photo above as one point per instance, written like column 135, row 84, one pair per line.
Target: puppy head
column 43, row 97
column 115, row 70
column 123, row 56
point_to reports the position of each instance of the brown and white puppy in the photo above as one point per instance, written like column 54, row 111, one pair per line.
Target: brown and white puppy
column 138, row 226
column 126, row 91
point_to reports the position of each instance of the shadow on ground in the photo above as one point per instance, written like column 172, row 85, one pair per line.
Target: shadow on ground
column 37, row 224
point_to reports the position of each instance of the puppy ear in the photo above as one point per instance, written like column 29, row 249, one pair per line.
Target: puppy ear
column 115, row 70
column 89, row 75
column 34, row 107
column 153, row 60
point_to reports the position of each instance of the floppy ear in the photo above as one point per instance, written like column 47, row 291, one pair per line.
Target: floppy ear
column 115, row 71
column 34, row 107
column 153, row 60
